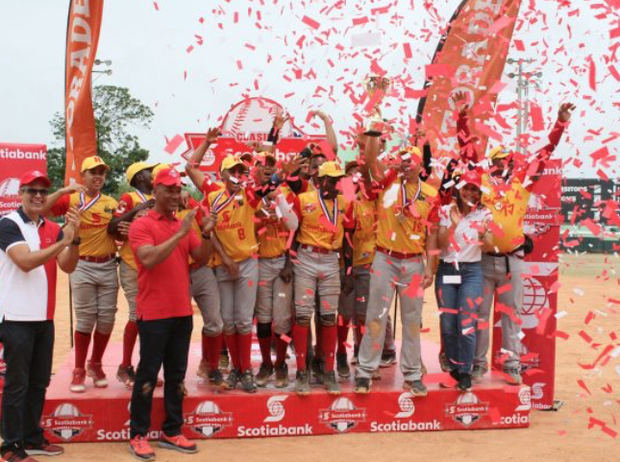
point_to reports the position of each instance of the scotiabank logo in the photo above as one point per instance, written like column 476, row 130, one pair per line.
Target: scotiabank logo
column 467, row 409
column 525, row 399
column 208, row 419
column 405, row 403
column 9, row 187
column 67, row 422
column 342, row 415
column 275, row 408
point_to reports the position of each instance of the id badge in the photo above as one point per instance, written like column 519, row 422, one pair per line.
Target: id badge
column 452, row 279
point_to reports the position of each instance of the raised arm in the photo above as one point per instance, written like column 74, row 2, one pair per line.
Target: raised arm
column 56, row 195
column 330, row 134
column 192, row 168
column 468, row 150
column 371, row 151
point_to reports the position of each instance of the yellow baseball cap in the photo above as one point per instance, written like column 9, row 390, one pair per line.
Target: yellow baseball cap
column 136, row 167
column 159, row 167
column 230, row 162
column 411, row 151
column 331, row 169
column 498, row 152
column 92, row 162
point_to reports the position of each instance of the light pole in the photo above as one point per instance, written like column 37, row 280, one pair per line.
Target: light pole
column 524, row 79
column 100, row 62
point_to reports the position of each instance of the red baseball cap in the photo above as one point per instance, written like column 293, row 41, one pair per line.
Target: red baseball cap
column 167, row 177
column 33, row 175
column 472, row 177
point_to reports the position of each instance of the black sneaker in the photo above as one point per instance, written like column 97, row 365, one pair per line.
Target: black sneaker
column 263, row 375
column 447, row 384
column 362, row 385
column 331, row 384
column 126, row 375
column 343, row 366
column 443, row 362
column 233, row 379
column 317, row 370
column 302, row 383
column 216, row 377
column 464, row 382
column 416, row 387
column 247, row 382
column 388, row 358
column 281, row 376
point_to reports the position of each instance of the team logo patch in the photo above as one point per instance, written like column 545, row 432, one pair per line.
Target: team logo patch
column 67, row 422
column 208, row 419
column 467, row 409
column 342, row 415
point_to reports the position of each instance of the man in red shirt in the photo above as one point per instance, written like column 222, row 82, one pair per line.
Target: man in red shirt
column 162, row 245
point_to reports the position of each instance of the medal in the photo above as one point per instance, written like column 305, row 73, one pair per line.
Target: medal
column 498, row 205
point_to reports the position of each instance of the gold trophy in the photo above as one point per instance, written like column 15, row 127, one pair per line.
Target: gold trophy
column 375, row 125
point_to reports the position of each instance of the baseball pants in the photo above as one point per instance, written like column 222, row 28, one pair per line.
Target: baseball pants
column 390, row 275
column 238, row 296
column 129, row 282
column 316, row 273
column 497, row 274
column 204, row 289
column 94, row 288
column 274, row 296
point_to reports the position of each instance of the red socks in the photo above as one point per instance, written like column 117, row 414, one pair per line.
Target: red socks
column 231, row 343
column 81, row 341
column 329, row 336
column 300, row 340
column 100, row 342
column 212, row 353
column 281, row 347
column 244, row 346
column 265, row 349
column 129, row 341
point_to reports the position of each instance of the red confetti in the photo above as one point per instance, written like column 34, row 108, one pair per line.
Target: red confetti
column 173, row 144
column 310, row 22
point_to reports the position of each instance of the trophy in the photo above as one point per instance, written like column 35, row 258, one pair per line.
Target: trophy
column 375, row 125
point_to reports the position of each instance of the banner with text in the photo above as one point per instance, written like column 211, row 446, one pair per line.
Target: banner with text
column 15, row 160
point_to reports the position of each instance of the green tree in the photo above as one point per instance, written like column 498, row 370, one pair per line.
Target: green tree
column 116, row 112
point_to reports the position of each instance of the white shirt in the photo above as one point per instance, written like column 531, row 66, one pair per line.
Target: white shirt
column 465, row 235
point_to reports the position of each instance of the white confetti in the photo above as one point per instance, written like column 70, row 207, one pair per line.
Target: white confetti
column 560, row 314
column 578, row 291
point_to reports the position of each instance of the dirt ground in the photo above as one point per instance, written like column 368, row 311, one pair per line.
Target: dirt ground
column 589, row 284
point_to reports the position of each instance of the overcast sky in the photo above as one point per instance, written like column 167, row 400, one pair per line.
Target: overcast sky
column 250, row 44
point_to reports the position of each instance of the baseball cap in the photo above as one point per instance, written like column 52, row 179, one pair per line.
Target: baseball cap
column 261, row 157
column 32, row 175
column 92, row 162
column 472, row 177
column 168, row 177
column 230, row 162
column 498, row 152
column 409, row 152
column 137, row 167
column 331, row 169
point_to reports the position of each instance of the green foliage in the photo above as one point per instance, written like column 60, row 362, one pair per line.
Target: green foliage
column 116, row 112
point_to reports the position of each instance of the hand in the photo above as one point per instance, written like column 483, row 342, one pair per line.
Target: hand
column 565, row 112
column 232, row 267
column 455, row 215
column 75, row 187
column 187, row 222
column 72, row 217
column 460, row 101
column 209, row 222
column 348, row 284
column 292, row 165
column 427, row 281
column 279, row 120
column 68, row 233
column 212, row 134
column 123, row 228
column 321, row 115
column 286, row 273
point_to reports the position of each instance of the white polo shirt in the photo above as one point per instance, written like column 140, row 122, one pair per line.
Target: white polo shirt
column 465, row 235
column 27, row 296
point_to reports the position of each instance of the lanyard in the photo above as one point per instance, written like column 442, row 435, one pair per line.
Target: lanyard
column 83, row 206
column 334, row 218
column 226, row 202
column 141, row 195
column 403, row 191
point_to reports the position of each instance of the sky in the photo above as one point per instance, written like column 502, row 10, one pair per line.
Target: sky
column 191, row 60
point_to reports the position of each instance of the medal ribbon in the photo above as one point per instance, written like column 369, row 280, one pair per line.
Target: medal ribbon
column 226, row 202
column 142, row 196
column 83, row 206
column 403, row 191
column 334, row 218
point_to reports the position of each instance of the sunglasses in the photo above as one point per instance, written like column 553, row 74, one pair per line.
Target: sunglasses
column 35, row 191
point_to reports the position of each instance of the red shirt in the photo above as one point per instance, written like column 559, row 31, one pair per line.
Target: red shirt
column 163, row 291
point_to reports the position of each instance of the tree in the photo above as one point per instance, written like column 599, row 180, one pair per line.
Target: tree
column 116, row 111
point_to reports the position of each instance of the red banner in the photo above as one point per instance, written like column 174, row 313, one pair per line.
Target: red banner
column 470, row 59
column 540, row 285
column 15, row 160
column 83, row 29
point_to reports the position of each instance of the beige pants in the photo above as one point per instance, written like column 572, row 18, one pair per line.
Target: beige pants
column 129, row 283
column 204, row 289
column 274, row 295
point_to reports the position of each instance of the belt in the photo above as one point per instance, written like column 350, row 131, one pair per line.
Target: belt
column 314, row 249
column 103, row 259
column 399, row 255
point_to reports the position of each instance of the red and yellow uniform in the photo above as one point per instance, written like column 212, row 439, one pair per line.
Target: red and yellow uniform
column 272, row 234
column 235, row 225
column 315, row 228
column 364, row 239
column 126, row 203
column 397, row 204
column 96, row 214
column 508, row 204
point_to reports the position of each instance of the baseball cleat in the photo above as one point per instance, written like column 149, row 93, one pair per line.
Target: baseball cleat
column 344, row 372
column 264, row 372
column 388, row 358
column 203, row 369
column 78, row 382
column 233, row 379
column 126, row 375
column 95, row 371
column 247, row 382
column 464, row 382
column 331, row 384
column 477, row 374
column 302, row 383
column 416, row 387
column 282, row 376
column 216, row 378
column 513, row 376
column 362, row 385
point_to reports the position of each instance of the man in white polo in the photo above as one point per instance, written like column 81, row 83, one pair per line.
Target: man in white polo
column 30, row 246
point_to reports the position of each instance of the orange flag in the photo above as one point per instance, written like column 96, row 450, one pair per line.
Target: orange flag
column 469, row 58
column 83, row 29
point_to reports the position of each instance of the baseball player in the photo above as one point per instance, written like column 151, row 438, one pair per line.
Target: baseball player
column 407, row 228
column 94, row 283
column 236, row 268
column 506, row 191
column 131, row 205
column 275, row 286
column 323, row 215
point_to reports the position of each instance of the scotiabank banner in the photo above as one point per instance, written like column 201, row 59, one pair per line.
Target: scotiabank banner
column 15, row 160
column 542, row 224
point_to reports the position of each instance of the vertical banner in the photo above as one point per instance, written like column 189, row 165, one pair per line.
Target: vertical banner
column 83, row 28
column 470, row 58
column 15, row 160
column 540, row 284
